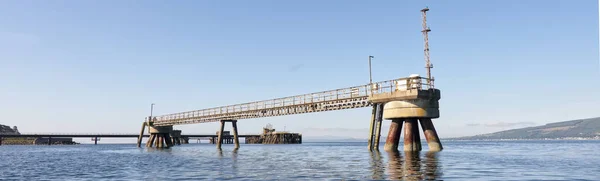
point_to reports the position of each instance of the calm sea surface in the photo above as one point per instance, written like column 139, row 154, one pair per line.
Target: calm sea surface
column 460, row 160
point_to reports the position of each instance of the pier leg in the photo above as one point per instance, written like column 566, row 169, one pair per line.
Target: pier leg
column 220, row 139
column 157, row 141
column 412, row 141
column 433, row 141
column 49, row 140
column 139, row 141
column 391, row 144
column 235, row 134
column 372, row 126
column 378, row 119
column 95, row 140
column 150, row 141
column 168, row 141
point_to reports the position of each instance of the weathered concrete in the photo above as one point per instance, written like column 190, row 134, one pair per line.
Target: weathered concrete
column 399, row 95
column 235, row 134
column 372, row 127
column 417, row 108
column 139, row 140
column 176, row 137
column 220, row 137
column 159, row 136
column 393, row 138
column 378, row 120
column 433, row 141
column 412, row 140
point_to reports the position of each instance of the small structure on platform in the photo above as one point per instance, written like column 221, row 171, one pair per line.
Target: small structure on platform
column 53, row 141
column 270, row 136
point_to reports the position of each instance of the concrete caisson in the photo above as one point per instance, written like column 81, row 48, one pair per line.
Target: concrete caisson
column 406, row 108
column 160, row 136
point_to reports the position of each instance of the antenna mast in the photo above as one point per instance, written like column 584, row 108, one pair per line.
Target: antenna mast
column 425, row 31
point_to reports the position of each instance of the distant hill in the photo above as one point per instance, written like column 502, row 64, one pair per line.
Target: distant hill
column 7, row 130
column 582, row 128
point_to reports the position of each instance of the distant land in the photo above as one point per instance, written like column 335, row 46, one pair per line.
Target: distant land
column 7, row 130
column 574, row 129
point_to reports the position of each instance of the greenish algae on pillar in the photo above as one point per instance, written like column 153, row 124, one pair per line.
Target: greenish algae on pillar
column 393, row 138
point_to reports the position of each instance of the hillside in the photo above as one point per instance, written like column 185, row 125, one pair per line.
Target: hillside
column 7, row 130
column 582, row 128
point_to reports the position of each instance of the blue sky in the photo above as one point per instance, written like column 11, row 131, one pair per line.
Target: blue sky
column 95, row 66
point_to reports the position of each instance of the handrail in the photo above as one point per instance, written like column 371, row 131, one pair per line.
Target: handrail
column 361, row 91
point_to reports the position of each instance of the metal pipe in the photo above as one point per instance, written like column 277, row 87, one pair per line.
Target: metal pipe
column 370, row 75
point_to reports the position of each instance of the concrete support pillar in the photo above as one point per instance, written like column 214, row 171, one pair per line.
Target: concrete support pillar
column 150, row 141
column 433, row 141
column 160, row 136
column 139, row 140
column 393, row 138
column 235, row 134
column 95, row 140
column 220, row 136
column 372, row 127
column 412, row 140
column 378, row 120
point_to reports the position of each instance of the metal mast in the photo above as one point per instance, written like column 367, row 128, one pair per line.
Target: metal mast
column 425, row 31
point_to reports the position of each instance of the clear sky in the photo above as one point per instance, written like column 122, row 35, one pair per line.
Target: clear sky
column 96, row 66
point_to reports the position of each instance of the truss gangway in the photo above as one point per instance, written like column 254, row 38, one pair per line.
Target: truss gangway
column 338, row 99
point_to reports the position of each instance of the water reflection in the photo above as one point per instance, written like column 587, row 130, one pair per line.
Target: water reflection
column 377, row 166
column 409, row 167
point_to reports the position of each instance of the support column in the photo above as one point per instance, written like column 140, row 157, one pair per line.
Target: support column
column 220, row 139
column 160, row 136
column 49, row 140
column 139, row 141
column 393, row 138
column 95, row 140
column 378, row 120
column 372, row 127
column 150, row 141
column 412, row 140
column 235, row 134
column 433, row 141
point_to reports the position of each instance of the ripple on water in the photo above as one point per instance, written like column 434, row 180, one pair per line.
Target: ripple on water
column 464, row 160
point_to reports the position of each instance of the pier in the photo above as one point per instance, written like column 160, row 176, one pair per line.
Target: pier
column 406, row 102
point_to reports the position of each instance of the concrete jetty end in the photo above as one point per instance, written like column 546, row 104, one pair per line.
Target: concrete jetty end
column 407, row 106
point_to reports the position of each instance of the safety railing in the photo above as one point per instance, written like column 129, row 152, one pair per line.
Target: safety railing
column 362, row 91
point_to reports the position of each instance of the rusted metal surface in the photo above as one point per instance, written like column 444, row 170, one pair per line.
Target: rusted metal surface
column 433, row 141
column 412, row 139
column 346, row 98
column 393, row 138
